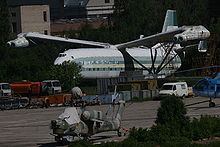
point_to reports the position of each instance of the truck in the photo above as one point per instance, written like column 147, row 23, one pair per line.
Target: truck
column 45, row 93
column 5, row 89
column 46, row 87
column 179, row 89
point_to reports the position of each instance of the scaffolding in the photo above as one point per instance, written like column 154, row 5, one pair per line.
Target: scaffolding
column 210, row 60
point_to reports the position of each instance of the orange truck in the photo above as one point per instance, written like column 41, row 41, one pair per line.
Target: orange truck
column 26, row 88
column 46, row 87
column 43, row 93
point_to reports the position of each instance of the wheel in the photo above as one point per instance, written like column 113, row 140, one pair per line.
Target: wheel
column 60, row 140
column 184, row 96
column 65, row 103
column 119, row 133
column 47, row 104
column 211, row 104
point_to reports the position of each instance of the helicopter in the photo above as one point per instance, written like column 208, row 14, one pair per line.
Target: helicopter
column 80, row 122
column 208, row 87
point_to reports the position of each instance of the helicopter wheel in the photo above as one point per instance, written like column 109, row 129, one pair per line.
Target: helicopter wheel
column 119, row 133
column 211, row 104
column 61, row 140
column 86, row 138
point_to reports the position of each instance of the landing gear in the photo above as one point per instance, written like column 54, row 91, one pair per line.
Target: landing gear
column 122, row 131
column 119, row 133
column 64, row 140
column 211, row 103
column 60, row 140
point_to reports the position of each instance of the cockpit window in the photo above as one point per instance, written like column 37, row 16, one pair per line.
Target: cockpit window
column 62, row 55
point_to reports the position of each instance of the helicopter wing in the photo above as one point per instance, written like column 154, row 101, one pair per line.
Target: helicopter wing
column 177, row 35
column 24, row 39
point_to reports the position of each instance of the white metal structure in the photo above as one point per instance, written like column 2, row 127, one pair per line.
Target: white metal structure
column 155, row 54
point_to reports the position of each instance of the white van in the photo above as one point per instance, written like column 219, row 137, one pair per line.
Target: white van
column 5, row 89
column 177, row 89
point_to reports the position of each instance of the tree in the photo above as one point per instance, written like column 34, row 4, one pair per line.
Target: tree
column 172, row 110
column 4, row 28
column 68, row 73
column 4, row 22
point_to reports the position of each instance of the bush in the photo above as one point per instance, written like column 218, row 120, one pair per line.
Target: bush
column 177, row 142
column 205, row 127
column 172, row 110
column 141, row 135
column 81, row 143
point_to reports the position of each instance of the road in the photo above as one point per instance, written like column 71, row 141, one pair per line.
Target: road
column 30, row 127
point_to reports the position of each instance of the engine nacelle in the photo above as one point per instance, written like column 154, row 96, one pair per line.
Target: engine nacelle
column 192, row 33
column 19, row 42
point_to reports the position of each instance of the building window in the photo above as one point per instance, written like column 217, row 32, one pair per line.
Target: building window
column 107, row 1
column 45, row 15
column 13, row 14
column 45, row 32
column 14, row 27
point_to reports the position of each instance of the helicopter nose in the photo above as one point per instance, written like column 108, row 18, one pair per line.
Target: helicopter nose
column 58, row 61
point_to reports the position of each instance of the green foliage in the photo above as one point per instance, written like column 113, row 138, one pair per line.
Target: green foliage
column 68, row 73
column 4, row 28
column 205, row 127
column 4, row 25
column 139, row 134
column 177, row 142
column 157, row 134
column 81, row 143
column 172, row 110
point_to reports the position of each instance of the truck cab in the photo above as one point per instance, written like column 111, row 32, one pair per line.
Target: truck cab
column 178, row 89
column 5, row 89
column 51, row 86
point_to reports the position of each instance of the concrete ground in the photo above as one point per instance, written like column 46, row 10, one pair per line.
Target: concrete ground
column 30, row 127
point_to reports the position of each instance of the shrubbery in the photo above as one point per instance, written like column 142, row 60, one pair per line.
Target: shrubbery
column 205, row 127
column 173, row 126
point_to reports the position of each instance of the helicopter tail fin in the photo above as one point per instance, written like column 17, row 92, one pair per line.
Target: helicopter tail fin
column 170, row 21
column 120, row 110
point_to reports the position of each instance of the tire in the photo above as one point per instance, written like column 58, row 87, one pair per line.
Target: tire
column 119, row 133
column 61, row 140
column 184, row 96
column 211, row 104
column 47, row 104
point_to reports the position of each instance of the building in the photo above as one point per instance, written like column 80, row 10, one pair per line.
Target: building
column 91, row 8
column 69, row 9
column 46, row 16
column 99, row 8
column 30, row 18
column 56, row 6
